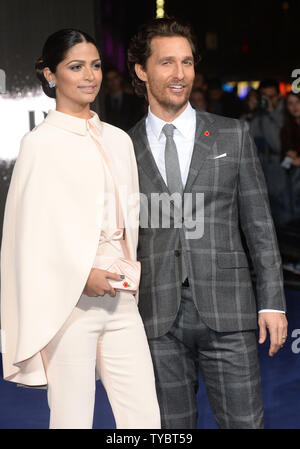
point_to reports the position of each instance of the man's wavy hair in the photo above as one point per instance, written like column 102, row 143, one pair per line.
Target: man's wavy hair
column 140, row 45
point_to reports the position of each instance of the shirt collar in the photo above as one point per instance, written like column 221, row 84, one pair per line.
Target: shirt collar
column 184, row 123
column 73, row 124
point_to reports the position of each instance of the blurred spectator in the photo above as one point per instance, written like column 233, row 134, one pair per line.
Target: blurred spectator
column 122, row 109
column 221, row 102
column 268, row 121
column 198, row 98
column 290, row 155
column 265, row 127
column 290, row 133
column 290, row 149
column 200, row 81
column 251, row 104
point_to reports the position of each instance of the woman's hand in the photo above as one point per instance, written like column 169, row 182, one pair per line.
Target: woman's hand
column 97, row 283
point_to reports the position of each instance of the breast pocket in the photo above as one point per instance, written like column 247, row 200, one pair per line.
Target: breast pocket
column 212, row 163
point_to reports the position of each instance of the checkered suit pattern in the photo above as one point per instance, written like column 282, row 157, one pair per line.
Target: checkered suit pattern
column 235, row 199
column 228, row 362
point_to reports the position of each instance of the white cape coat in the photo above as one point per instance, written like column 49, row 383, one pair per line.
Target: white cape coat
column 51, row 232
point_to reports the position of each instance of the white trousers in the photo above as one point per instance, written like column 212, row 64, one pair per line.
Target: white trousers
column 104, row 335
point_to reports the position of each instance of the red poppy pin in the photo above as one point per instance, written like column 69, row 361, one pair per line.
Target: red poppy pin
column 207, row 133
column 126, row 285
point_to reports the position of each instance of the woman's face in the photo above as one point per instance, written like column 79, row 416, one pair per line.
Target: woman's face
column 78, row 77
column 293, row 105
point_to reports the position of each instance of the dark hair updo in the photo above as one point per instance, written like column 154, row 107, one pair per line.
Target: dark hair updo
column 54, row 51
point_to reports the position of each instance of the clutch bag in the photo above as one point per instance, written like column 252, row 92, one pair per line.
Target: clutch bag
column 130, row 269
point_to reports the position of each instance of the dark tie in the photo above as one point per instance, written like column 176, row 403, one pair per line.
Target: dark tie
column 173, row 174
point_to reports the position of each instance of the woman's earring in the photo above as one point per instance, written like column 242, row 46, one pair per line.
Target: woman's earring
column 51, row 84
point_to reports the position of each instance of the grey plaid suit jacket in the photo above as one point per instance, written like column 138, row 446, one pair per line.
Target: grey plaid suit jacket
column 235, row 197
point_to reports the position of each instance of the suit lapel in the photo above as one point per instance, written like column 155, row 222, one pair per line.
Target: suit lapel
column 145, row 158
column 206, row 135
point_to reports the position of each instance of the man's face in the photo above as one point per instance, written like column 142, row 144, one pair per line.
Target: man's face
column 293, row 105
column 168, row 75
column 271, row 94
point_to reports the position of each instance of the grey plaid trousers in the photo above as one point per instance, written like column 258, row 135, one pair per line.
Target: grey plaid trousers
column 228, row 362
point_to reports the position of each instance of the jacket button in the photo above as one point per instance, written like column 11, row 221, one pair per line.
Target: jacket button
column 177, row 253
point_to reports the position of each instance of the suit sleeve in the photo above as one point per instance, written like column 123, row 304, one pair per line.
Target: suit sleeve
column 257, row 224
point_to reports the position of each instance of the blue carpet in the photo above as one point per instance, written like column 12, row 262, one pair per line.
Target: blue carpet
column 24, row 408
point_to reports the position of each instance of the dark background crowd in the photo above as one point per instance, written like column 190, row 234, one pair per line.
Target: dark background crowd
column 238, row 41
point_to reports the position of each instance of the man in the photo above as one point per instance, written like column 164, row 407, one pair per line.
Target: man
column 270, row 117
column 265, row 127
column 196, row 296
column 122, row 109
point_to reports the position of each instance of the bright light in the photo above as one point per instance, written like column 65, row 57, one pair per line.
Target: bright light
column 254, row 84
column 242, row 89
column 15, row 113
column 160, row 12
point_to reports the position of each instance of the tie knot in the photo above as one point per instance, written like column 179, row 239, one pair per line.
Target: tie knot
column 168, row 130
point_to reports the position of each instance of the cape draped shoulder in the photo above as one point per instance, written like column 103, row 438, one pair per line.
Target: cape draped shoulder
column 51, row 231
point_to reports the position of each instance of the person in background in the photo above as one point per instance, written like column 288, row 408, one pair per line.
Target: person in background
column 221, row 102
column 198, row 98
column 251, row 104
column 265, row 128
column 63, row 321
column 267, row 123
column 200, row 81
column 290, row 157
column 122, row 109
column 290, row 133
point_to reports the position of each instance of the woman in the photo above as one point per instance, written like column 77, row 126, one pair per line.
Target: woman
column 251, row 105
column 290, row 133
column 61, row 319
column 290, row 155
column 290, row 149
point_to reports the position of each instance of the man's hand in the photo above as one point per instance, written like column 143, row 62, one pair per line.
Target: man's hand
column 277, row 324
column 97, row 284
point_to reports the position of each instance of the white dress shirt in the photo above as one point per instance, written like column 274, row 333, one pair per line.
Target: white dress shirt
column 184, row 137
